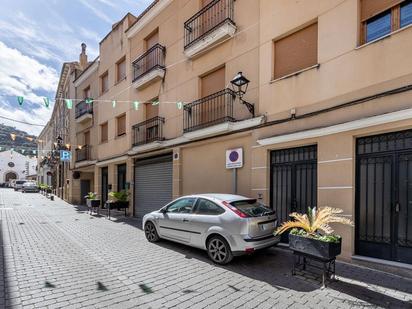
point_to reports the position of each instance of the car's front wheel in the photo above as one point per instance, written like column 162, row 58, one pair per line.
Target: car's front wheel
column 219, row 250
column 150, row 232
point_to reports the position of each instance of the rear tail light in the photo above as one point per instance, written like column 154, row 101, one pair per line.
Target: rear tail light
column 249, row 250
column 234, row 209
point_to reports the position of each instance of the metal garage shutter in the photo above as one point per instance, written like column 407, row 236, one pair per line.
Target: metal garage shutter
column 153, row 184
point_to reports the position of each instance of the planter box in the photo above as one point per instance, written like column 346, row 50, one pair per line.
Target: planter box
column 92, row 203
column 118, row 205
column 315, row 248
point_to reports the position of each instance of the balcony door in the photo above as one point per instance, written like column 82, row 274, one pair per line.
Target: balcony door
column 152, row 130
column 212, row 109
column 212, row 16
column 151, row 60
column 87, row 138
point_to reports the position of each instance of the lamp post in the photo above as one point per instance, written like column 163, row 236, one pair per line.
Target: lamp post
column 239, row 85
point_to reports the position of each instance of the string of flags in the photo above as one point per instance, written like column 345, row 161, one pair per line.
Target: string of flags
column 69, row 102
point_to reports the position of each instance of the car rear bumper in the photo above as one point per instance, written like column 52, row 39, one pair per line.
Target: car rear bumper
column 249, row 245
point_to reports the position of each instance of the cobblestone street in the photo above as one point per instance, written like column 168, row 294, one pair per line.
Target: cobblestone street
column 55, row 255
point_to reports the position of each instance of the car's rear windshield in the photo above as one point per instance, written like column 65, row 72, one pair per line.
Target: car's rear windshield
column 20, row 182
column 252, row 208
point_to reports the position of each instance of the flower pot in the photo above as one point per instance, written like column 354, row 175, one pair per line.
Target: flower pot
column 92, row 203
column 314, row 247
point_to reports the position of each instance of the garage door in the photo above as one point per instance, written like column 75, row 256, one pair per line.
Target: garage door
column 384, row 196
column 153, row 184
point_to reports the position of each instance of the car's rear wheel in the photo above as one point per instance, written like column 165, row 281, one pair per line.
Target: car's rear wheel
column 150, row 232
column 219, row 250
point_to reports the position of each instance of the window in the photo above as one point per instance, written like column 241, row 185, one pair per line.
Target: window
column 252, row 208
column 121, row 69
column 86, row 93
column 104, row 79
column 121, row 125
column 378, row 26
column 406, row 13
column 205, row 207
column 183, row 205
column 296, row 52
column 380, row 18
column 104, row 132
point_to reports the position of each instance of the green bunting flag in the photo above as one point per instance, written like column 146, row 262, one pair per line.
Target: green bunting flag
column 156, row 102
column 89, row 101
column 20, row 99
column 136, row 105
column 179, row 105
column 46, row 102
column 114, row 103
column 69, row 103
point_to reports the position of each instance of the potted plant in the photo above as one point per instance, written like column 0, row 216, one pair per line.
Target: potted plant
column 119, row 199
column 311, row 233
column 92, row 200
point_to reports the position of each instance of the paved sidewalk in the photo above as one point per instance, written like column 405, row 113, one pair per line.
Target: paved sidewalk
column 55, row 255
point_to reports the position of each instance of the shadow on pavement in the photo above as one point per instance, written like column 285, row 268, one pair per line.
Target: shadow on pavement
column 274, row 265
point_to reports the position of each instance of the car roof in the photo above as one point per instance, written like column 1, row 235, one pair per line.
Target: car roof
column 222, row 196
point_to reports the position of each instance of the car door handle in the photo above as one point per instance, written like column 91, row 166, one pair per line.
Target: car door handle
column 185, row 220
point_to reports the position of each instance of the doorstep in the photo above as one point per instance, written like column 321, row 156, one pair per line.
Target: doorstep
column 401, row 269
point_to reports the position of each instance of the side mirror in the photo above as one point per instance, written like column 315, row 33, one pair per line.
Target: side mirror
column 163, row 210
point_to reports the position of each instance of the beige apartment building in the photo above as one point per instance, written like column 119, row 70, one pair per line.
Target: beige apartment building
column 324, row 119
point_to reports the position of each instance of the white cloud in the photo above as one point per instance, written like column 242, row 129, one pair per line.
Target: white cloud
column 22, row 75
column 96, row 11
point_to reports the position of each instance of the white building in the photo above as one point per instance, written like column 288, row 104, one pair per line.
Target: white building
column 14, row 165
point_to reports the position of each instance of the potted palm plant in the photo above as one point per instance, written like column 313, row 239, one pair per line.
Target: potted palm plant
column 92, row 200
column 311, row 233
column 119, row 199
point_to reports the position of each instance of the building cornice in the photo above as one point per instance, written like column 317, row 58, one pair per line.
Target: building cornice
column 87, row 73
column 148, row 15
column 339, row 128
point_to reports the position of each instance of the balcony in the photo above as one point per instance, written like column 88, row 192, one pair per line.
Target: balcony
column 148, row 131
column 84, row 154
column 211, row 110
column 149, row 67
column 211, row 25
column 83, row 111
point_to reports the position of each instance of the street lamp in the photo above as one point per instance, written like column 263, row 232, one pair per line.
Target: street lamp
column 239, row 85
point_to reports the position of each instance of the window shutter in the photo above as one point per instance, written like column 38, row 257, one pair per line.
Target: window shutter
column 370, row 8
column 104, row 132
column 296, row 51
column 121, row 125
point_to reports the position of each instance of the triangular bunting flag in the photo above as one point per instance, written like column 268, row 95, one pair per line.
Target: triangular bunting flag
column 136, row 105
column 179, row 105
column 20, row 99
column 69, row 103
column 46, row 102
column 114, row 103
column 89, row 101
column 156, row 102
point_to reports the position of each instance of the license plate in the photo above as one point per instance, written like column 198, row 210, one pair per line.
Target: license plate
column 267, row 226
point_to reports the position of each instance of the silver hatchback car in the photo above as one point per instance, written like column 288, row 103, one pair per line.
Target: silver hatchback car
column 225, row 225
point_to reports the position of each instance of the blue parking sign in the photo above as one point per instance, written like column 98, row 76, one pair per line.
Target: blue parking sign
column 65, row 155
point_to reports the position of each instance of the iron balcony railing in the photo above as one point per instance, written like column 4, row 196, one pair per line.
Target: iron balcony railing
column 83, row 108
column 153, row 58
column 213, row 109
column 84, row 153
column 208, row 19
column 148, row 131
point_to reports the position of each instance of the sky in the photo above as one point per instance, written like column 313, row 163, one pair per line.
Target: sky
column 36, row 37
